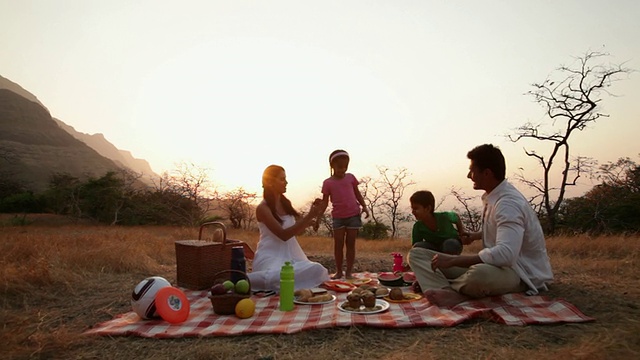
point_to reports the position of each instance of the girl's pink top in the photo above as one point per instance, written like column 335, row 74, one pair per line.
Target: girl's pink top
column 342, row 193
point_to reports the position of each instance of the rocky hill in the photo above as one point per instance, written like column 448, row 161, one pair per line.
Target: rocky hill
column 33, row 145
column 100, row 144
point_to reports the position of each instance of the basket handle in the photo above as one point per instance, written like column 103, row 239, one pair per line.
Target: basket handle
column 216, row 224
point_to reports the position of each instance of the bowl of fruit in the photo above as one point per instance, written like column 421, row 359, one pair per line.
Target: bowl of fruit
column 225, row 294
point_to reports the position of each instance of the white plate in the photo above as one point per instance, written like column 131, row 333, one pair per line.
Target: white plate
column 295, row 300
column 381, row 306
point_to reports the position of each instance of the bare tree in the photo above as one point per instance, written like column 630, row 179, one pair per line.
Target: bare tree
column 373, row 193
column 620, row 173
column 471, row 216
column 191, row 183
column 238, row 206
column 571, row 100
column 129, row 187
column 395, row 183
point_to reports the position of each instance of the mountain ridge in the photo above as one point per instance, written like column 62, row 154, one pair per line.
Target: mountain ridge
column 34, row 145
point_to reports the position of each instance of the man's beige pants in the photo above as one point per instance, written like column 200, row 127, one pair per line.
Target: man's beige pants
column 477, row 281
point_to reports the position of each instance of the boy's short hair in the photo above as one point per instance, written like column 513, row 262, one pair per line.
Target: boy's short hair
column 424, row 198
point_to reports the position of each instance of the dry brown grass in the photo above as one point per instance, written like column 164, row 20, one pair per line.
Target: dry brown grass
column 57, row 281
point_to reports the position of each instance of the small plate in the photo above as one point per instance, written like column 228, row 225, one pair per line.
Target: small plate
column 358, row 282
column 381, row 306
column 338, row 286
column 295, row 300
column 408, row 297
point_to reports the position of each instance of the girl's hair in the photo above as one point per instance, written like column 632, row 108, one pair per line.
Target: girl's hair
column 268, row 176
column 424, row 198
column 336, row 154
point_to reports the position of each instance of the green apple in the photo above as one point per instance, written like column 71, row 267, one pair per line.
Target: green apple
column 228, row 285
column 242, row 286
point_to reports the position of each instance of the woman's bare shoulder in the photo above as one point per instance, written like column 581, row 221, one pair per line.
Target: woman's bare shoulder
column 262, row 210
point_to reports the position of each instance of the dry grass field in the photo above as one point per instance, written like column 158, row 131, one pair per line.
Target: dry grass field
column 59, row 279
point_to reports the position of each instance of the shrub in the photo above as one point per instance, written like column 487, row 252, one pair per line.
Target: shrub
column 374, row 230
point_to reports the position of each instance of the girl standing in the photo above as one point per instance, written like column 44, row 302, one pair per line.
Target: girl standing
column 347, row 205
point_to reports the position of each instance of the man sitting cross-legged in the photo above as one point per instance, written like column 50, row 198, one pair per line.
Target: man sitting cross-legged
column 514, row 255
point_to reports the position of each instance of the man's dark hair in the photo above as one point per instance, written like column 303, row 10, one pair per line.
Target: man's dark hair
column 424, row 198
column 487, row 156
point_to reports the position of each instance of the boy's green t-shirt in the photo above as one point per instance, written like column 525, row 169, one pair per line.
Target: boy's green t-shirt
column 446, row 229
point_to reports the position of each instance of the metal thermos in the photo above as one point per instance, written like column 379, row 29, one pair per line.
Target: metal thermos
column 238, row 262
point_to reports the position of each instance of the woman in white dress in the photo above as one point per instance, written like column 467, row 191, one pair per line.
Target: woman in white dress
column 279, row 222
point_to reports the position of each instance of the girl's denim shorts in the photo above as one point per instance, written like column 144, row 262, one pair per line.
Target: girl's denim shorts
column 354, row 222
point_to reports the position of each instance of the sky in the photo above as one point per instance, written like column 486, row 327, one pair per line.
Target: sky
column 234, row 86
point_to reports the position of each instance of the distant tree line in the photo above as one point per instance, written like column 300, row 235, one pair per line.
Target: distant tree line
column 612, row 207
column 186, row 197
column 182, row 197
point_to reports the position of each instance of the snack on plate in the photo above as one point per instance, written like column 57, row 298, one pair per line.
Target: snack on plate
column 368, row 299
column 396, row 294
column 378, row 291
column 382, row 291
column 318, row 291
column 320, row 298
column 353, row 301
column 303, row 295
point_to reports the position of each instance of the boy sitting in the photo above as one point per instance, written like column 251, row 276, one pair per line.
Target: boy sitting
column 435, row 230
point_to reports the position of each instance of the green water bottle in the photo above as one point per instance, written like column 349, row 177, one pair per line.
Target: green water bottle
column 286, row 287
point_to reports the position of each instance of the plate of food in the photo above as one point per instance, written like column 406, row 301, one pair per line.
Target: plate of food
column 315, row 300
column 379, row 307
column 397, row 296
column 338, row 285
column 358, row 282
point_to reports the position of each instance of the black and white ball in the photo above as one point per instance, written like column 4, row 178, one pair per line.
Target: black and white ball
column 143, row 297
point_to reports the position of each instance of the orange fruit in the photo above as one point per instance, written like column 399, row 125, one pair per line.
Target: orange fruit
column 245, row 308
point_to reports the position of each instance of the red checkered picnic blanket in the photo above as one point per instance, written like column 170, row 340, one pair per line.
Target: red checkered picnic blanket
column 511, row 309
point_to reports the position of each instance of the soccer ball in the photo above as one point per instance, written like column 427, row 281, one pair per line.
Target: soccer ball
column 143, row 297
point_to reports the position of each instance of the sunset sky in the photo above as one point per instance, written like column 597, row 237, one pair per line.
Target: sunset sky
column 237, row 85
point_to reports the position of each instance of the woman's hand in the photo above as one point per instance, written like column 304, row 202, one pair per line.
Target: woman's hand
column 316, row 209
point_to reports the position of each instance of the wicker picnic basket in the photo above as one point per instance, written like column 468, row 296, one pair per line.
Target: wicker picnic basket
column 225, row 304
column 199, row 261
